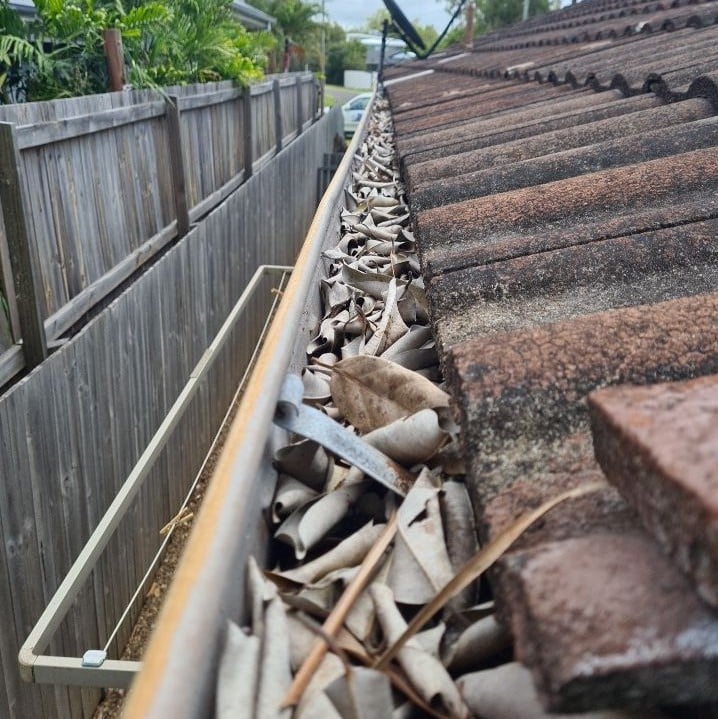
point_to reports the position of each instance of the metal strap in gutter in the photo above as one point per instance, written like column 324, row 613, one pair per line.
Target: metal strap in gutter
column 94, row 669
column 185, row 646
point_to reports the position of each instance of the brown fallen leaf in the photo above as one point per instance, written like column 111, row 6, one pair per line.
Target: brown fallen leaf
column 391, row 327
column 410, row 440
column 348, row 553
column 478, row 564
column 335, row 620
column 306, row 461
column 238, row 675
column 426, row 673
column 362, row 693
column 371, row 392
column 304, row 527
column 481, row 641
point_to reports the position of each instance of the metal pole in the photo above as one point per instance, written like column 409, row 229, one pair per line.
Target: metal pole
column 323, row 49
column 384, row 32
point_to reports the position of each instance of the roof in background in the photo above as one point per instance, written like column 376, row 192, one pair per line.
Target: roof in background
column 563, row 180
column 249, row 16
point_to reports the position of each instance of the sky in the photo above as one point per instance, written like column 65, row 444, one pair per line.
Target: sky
column 353, row 13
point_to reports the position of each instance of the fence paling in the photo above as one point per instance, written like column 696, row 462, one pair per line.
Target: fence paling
column 17, row 232
column 112, row 188
column 179, row 183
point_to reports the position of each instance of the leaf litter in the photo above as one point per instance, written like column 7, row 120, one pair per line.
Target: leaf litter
column 335, row 626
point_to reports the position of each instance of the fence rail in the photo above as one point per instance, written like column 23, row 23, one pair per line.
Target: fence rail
column 93, row 188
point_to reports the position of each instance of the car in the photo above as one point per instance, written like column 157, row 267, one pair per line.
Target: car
column 353, row 111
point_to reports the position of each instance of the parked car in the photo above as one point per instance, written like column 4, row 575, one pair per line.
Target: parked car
column 353, row 111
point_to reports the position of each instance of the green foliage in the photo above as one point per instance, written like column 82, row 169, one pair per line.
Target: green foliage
column 346, row 55
column 493, row 14
column 374, row 23
column 296, row 22
column 165, row 42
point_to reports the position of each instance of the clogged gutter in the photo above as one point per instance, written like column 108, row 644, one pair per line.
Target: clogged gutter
column 355, row 560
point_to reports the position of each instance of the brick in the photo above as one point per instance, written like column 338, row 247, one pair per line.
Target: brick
column 659, row 446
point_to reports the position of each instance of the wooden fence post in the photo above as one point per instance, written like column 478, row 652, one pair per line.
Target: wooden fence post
column 248, row 133
column 7, row 284
column 278, row 128
column 315, row 100
column 115, row 59
column 179, row 181
column 34, row 342
column 300, row 110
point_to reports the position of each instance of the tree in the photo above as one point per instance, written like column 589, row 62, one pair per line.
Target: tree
column 341, row 56
column 165, row 42
column 493, row 14
column 375, row 22
column 296, row 23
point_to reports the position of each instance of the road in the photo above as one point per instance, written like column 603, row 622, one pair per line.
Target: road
column 340, row 95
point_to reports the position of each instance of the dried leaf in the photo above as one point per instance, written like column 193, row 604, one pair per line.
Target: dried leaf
column 290, row 495
column 461, row 541
column 336, row 294
column 310, row 522
column 426, row 674
column 372, row 392
column 430, row 639
column 348, row 553
column 354, row 348
column 480, row 642
column 306, row 461
column 275, row 674
column 391, row 327
column 478, row 564
column 361, row 619
column 334, row 621
column 376, row 283
column 410, row 440
column 316, row 387
column 362, row 694
column 420, row 564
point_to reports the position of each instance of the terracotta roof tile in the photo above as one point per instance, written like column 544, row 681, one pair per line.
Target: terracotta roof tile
column 658, row 445
column 452, row 236
column 638, row 137
column 520, row 124
column 568, row 235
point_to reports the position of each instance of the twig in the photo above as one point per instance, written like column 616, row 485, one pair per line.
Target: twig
column 477, row 565
column 335, row 620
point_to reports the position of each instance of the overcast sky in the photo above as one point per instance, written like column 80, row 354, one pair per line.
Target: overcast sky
column 353, row 13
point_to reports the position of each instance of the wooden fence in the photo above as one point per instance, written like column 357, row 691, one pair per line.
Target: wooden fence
column 92, row 188
column 71, row 431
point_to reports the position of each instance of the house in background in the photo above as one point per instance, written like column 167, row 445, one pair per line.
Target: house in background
column 395, row 52
column 247, row 15
column 250, row 17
